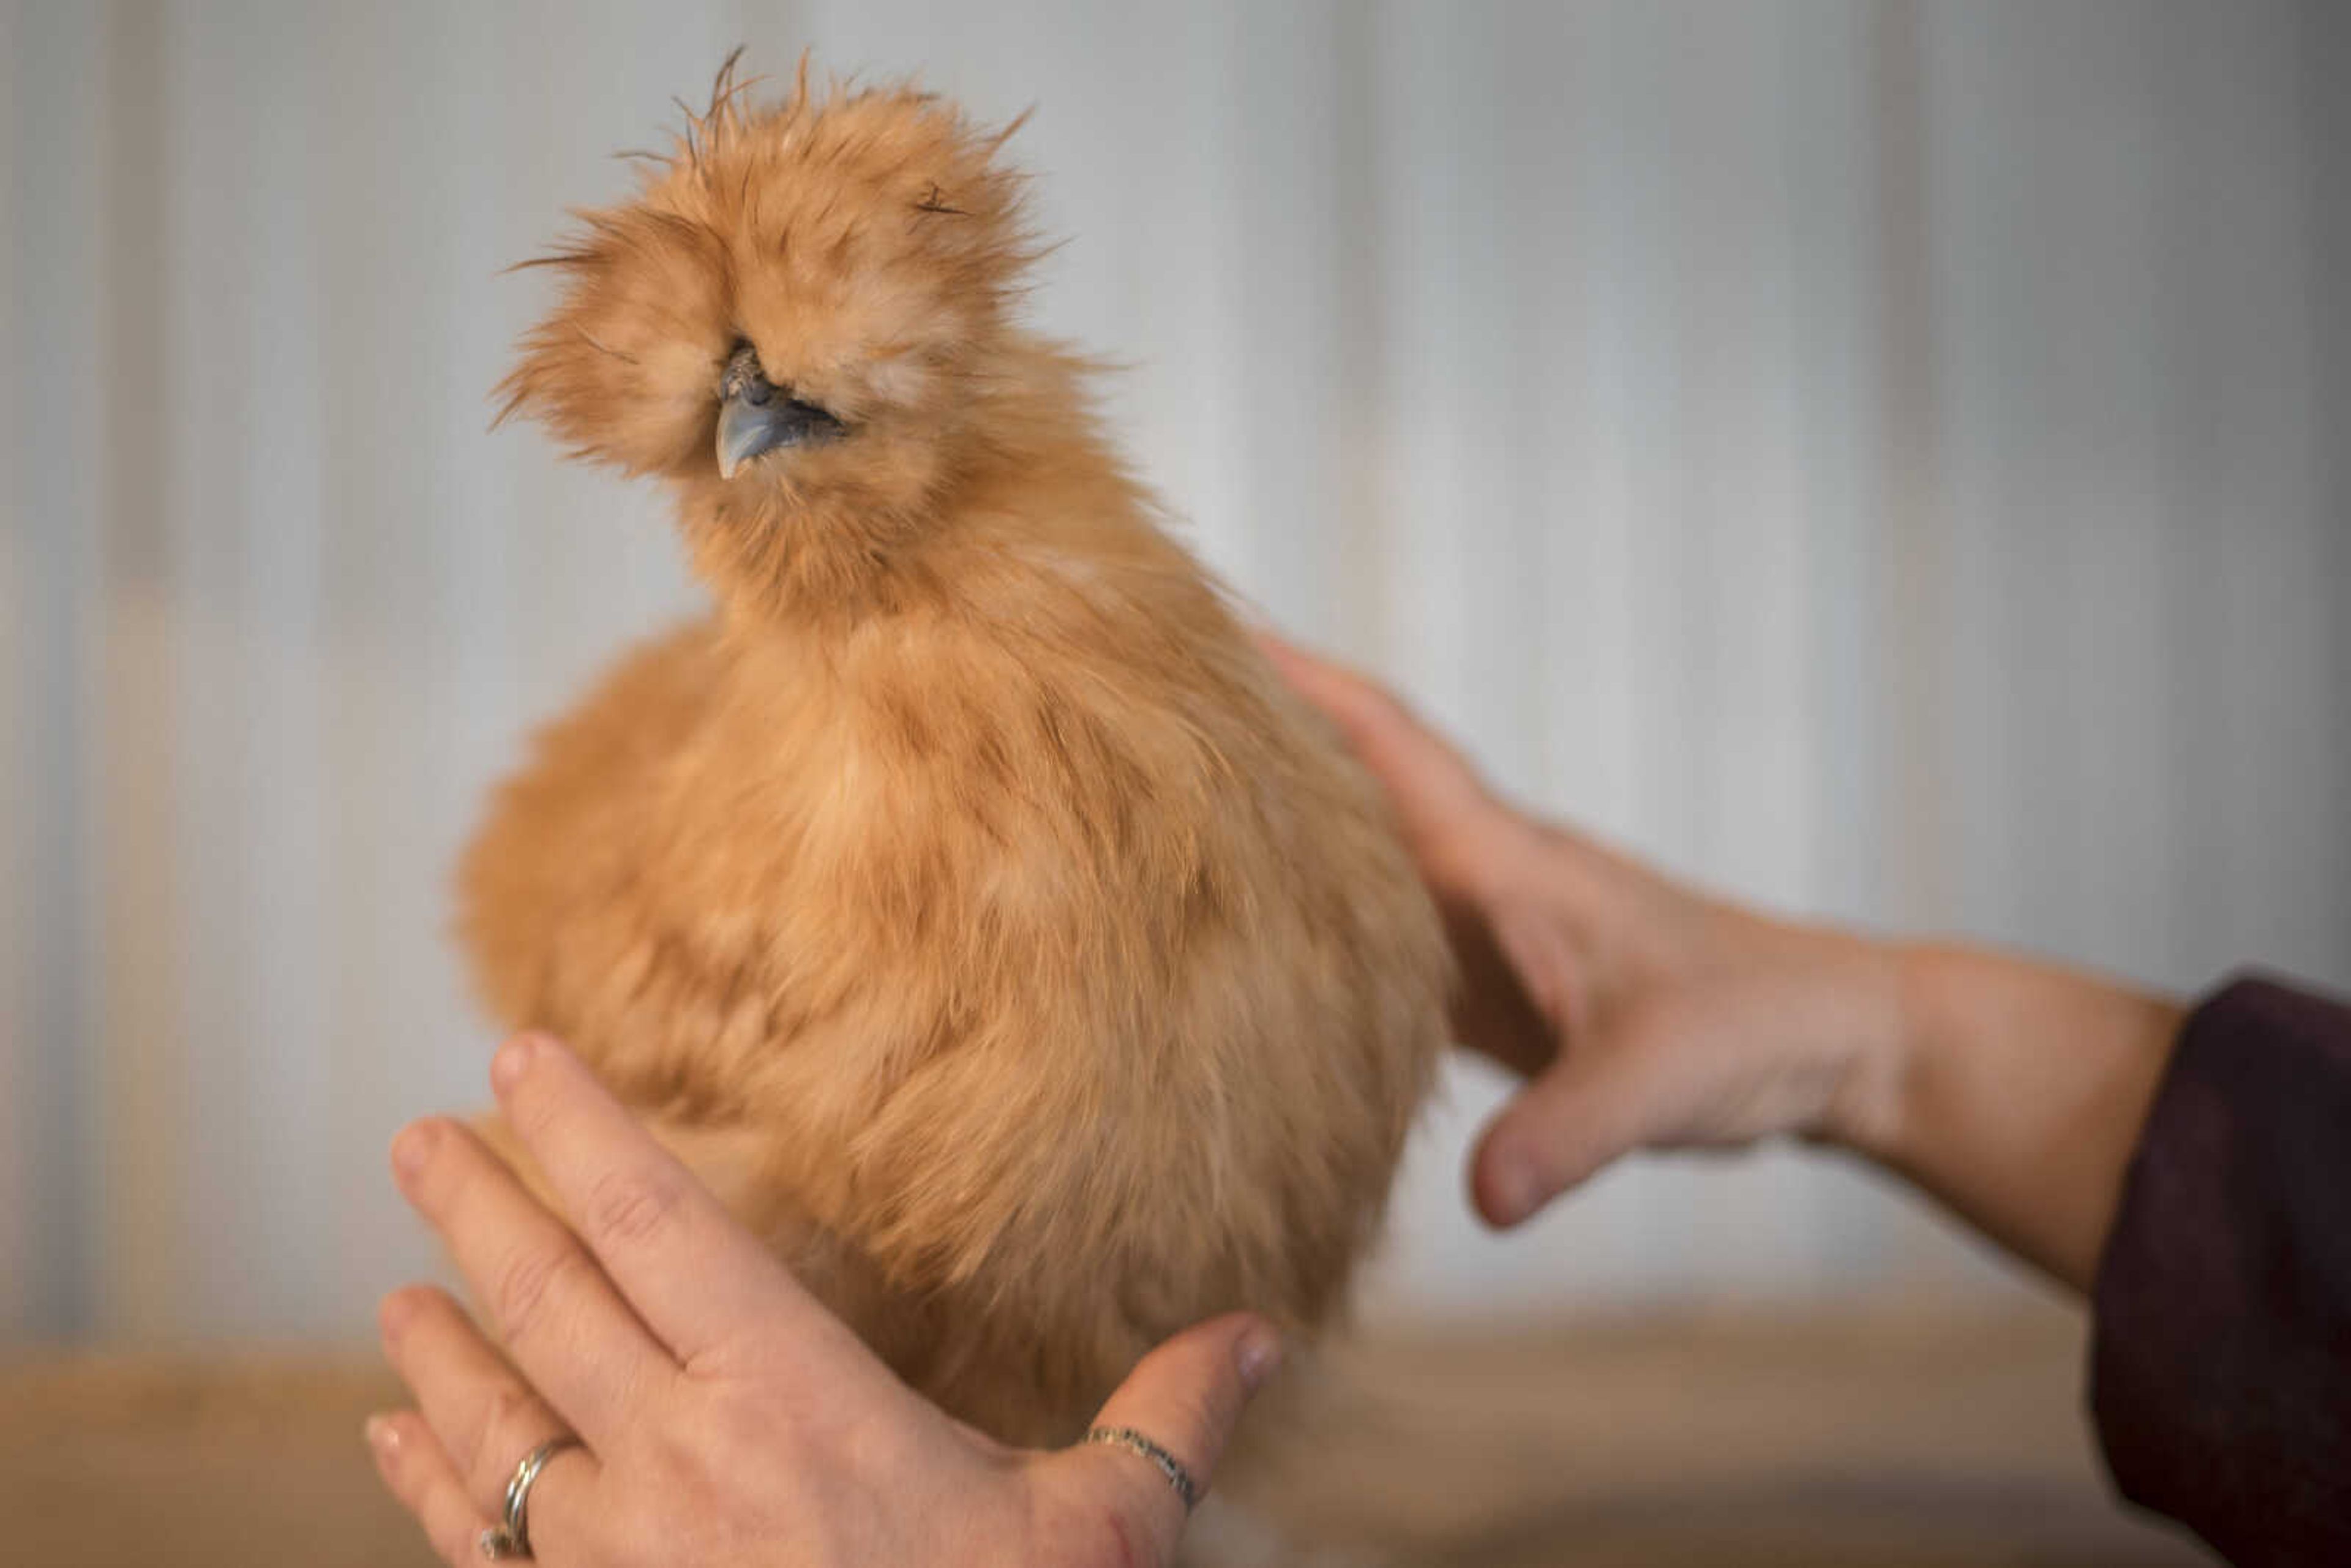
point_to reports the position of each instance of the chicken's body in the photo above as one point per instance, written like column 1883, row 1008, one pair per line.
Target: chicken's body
column 967, row 898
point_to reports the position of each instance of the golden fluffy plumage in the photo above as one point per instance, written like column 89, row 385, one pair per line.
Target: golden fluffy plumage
column 966, row 897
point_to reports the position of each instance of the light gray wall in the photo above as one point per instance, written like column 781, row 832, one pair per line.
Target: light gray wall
column 1887, row 459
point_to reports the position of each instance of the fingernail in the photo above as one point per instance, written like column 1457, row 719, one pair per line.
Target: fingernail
column 512, row 1061
column 414, row 1147
column 383, row 1437
column 1259, row 1357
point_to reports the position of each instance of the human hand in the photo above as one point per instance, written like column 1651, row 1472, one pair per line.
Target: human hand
column 1646, row 1014
column 725, row 1417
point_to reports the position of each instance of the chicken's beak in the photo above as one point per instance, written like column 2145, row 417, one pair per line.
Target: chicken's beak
column 755, row 416
column 745, row 429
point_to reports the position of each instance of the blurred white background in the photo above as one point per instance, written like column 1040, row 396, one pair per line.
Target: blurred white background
column 1889, row 460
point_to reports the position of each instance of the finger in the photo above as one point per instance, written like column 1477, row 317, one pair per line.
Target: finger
column 566, row 1327
column 1598, row 1103
column 1187, row 1396
column 1432, row 787
column 420, row 1475
column 697, row 1278
column 485, row 1416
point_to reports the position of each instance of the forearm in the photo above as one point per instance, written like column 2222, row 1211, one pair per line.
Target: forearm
column 2017, row 1097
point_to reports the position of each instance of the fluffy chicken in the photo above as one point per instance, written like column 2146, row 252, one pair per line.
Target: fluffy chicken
column 965, row 897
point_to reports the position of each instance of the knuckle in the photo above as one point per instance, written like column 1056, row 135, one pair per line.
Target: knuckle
column 631, row 1208
column 682, row 1508
column 530, row 1283
column 695, row 1453
column 534, row 1116
column 1183, row 1424
column 510, row 1421
column 672, row 1462
column 689, row 1484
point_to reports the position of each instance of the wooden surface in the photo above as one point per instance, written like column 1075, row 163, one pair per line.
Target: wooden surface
column 1884, row 1440
column 1893, row 1441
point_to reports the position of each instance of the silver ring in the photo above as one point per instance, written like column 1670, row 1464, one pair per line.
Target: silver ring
column 510, row 1538
column 1167, row 1464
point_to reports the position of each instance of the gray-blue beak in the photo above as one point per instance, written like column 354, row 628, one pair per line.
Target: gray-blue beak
column 756, row 416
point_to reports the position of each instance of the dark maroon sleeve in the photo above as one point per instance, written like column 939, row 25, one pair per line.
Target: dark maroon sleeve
column 2221, row 1361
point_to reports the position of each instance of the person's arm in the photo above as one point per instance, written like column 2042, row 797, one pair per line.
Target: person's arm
column 1647, row 1015
column 723, row 1417
column 2018, row 1093
column 2191, row 1171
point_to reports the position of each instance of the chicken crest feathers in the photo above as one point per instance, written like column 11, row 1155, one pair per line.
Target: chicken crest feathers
column 866, row 238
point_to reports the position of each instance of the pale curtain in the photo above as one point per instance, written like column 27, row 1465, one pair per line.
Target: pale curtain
column 1889, row 460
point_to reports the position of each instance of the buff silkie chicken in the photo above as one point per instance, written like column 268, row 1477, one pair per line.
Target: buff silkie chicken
column 965, row 897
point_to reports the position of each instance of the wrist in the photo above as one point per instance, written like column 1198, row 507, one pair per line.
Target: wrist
column 1889, row 1038
column 2013, row 1093
column 1931, row 985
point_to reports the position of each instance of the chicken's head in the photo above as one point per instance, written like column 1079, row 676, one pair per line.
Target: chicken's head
column 798, row 318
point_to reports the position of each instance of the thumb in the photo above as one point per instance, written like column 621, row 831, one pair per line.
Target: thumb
column 1184, row 1397
column 1602, row 1099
